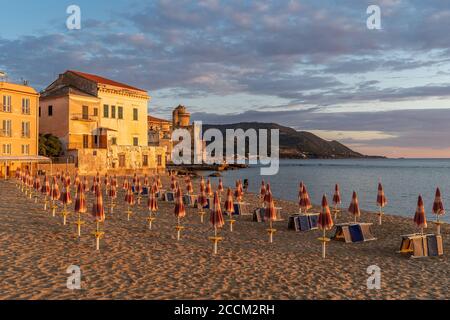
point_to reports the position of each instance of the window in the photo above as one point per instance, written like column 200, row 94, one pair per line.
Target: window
column 113, row 112
column 6, row 104
column 6, row 148
column 25, row 129
column 50, row 111
column 105, row 111
column 26, row 149
column 39, row 112
column 159, row 160
column 6, row 128
column 145, row 160
column 135, row 114
column 120, row 112
column 85, row 141
column 85, row 114
column 114, row 141
column 96, row 140
column 95, row 112
column 121, row 160
column 25, row 106
column 135, row 141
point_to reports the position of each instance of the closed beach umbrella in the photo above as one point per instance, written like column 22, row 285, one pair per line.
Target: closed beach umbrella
column 238, row 192
column 305, row 202
column 146, row 180
column 202, row 185
column 325, row 223
column 159, row 183
column 300, row 191
column 85, row 184
column 68, row 180
column 208, row 190
column 45, row 190
column 139, row 189
column 419, row 218
column 336, row 200
column 94, row 185
column 438, row 209
column 152, row 206
column 173, row 184
column 129, row 199
column 98, row 212
column 220, row 186
column 76, row 181
column 126, row 184
column 98, row 209
column 37, row 187
column 54, row 195
column 112, row 195
column 189, row 188
column 180, row 211
column 354, row 206
column 80, row 206
column 381, row 201
column 202, row 201
column 66, row 199
column 229, row 203
column 216, row 217
column 262, row 191
column 271, row 214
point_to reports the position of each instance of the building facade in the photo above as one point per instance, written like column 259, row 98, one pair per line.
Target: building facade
column 19, row 126
column 160, row 134
column 101, row 123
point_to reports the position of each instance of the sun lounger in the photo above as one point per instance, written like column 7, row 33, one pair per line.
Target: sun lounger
column 353, row 232
column 303, row 222
column 241, row 209
column 144, row 191
column 418, row 245
column 169, row 196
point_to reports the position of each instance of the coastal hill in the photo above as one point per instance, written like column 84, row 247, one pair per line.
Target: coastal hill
column 297, row 144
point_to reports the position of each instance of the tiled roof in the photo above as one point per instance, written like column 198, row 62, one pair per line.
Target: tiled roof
column 150, row 118
column 102, row 80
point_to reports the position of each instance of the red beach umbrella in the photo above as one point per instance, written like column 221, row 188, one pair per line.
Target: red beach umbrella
column 55, row 194
column 216, row 217
column 173, row 184
column 271, row 214
column 336, row 200
column 146, row 180
column 229, row 203
column 189, row 188
column 305, row 202
column 262, row 190
column 300, row 190
column 208, row 190
column 220, row 186
column 46, row 187
column 354, row 206
column 420, row 218
column 80, row 206
column 238, row 192
column 180, row 211
column 85, row 184
column 381, row 201
column 438, row 209
column 98, row 212
column 325, row 223
column 152, row 202
column 202, row 185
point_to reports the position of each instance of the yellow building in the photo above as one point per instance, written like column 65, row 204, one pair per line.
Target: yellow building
column 101, row 123
column 18, row 127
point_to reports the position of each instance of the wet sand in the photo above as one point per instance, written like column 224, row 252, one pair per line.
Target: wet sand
column 137, row 263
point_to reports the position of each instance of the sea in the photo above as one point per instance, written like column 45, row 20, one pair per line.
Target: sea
column 403, row 180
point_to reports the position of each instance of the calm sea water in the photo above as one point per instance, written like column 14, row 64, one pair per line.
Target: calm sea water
column 403, row 180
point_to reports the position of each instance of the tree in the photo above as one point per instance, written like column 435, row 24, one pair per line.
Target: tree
column 49, row 145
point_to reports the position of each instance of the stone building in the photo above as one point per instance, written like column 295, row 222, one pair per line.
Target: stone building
column 102, row 123
column 160, row 134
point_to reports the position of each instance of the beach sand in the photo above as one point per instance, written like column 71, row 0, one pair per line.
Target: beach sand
column 137, row 263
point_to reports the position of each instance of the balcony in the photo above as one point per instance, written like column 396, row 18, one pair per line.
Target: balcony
column 83, row 117
column 8, row 108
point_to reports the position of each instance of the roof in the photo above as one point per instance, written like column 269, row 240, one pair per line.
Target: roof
column 150, row 118
column 17, row 87
column 99, row 79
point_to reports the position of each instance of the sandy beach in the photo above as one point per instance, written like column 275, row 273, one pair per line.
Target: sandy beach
column 137, row 263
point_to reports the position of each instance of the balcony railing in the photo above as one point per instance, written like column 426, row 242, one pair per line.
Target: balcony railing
column 83, row 117
column 3, row 109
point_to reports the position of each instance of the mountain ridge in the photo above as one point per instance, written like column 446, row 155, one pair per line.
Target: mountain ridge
column 297, row 144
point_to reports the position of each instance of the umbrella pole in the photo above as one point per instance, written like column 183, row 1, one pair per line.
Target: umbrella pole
column 324, row 248
column 97, row 237
column 64, row 214
column 215, row 240
column 379, row 216
column 53, row 208
column 79, row 225
column 270, row 231
column 178, row 228
column 45, row 203
column 438, row 223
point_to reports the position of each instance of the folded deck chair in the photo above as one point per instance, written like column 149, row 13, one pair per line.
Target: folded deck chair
column 356, row 233
column 367, row 234
column 432, row 244
column 342, row 233
column 313, row 221
column 303, row 221
column 169, row 196
column 291, row 222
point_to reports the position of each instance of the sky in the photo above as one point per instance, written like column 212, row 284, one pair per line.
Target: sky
column 309, row 64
